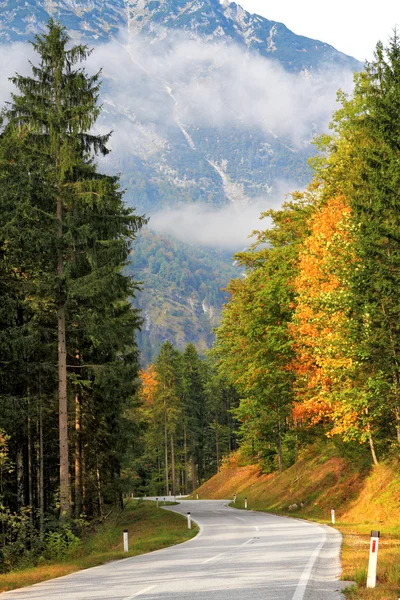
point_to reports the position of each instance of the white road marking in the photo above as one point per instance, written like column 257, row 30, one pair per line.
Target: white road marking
column 240, row 518
column 140, row 592
column 305, row 576
column 248, row 542
column 212, row 558
column 257, row 528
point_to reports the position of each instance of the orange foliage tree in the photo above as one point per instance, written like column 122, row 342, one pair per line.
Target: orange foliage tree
column 149, row 385
column 330, row 384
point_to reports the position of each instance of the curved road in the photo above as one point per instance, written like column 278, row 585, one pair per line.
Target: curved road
column 238, row 555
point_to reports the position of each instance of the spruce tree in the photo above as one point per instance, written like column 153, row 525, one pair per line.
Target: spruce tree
column 89, row 228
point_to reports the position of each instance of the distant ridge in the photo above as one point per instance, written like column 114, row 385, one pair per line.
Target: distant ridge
column 98, row 20
column 213, row 109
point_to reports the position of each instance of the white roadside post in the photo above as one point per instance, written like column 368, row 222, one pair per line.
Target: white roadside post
column 164, row 501
column 333, row 516
column 234, row 498
column 197, row 496
column 189, row 521
column 373, row 559
column 126, row 544
column 245, row 502
column 157, row 502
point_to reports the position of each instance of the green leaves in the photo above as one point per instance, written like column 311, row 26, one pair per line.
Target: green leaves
column 65, row 237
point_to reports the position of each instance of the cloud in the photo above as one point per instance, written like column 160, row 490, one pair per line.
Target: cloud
column 199, row 84
column 228, row 227
column 217, row 84
column 151, row 91
column 13, row 59
column 200, row 225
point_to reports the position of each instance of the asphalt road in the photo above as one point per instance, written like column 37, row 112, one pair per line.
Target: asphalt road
column 238, row 555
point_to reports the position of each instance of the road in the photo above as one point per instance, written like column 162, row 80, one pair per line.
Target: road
column 238, row 555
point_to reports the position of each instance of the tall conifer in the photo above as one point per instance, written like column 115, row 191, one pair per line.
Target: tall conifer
column 55, row 110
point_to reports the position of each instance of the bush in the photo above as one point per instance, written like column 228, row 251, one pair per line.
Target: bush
column 58, row 543
column 21, row 544
column 19, row 540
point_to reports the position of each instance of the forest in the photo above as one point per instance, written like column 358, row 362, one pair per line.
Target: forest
column 311, row 337
column 69, row 359
column 308, row 345
column 189, row 425
column 181, row 294
column 80, row 426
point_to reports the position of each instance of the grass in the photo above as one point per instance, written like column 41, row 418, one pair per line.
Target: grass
column 355, row 554
column 149, row 529
column 365, row 498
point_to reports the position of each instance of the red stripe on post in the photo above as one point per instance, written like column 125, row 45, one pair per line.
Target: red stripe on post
column 373, row 546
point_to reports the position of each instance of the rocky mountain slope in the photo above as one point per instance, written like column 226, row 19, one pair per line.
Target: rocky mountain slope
column 210, row 106
column 98, row 20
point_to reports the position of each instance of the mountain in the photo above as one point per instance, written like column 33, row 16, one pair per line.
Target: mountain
column 183, row 293
column 96, row 20
column 211, row 107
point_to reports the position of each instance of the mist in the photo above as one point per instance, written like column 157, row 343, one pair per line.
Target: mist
column 219, row 85
column 229, row 227
column 152, row 94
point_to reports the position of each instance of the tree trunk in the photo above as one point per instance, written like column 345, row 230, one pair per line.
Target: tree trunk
column 41, row 473
column 173, row 475
column 185, row 459
column 30, row 487
column 280, row 453
column 217, row 443
column 159, row 472
column 20, row 478
column 397, row 422
column 65, row 507
column 84, row 482
column 78, row 458
column 99, row 494
column 166, row 448
column 194, row 470
column 372, row 446
column 228, row 408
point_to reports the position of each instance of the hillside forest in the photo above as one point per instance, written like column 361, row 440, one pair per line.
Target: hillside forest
column 308, row 345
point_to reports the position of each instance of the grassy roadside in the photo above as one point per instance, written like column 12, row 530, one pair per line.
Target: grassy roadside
column 365, row 498
column 149, row 529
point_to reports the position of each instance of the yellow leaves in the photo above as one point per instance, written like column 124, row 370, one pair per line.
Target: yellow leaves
column 149, row 384
column 320, row 326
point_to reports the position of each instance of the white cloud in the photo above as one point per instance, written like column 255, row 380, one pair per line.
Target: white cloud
column 228, row 227
column 217, row 84
column 13, row 59
column 151, row 90
column 201, row 84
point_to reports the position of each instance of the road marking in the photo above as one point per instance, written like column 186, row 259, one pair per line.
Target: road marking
column 212, row 558
column 151, row 587
column 240, row 518
column 305, row 576
column 257, row 528
column 248, row 542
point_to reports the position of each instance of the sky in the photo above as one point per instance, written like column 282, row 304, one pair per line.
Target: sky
column 348, row 25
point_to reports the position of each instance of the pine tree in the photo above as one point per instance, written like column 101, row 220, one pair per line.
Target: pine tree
column 167, row 400
column 90, row 229
column 194, row 411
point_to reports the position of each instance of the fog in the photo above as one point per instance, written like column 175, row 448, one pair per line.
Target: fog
column 219, row 85
column 150, row 91
column 228, row 227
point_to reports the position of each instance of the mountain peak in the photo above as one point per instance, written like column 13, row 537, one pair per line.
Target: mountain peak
column 99, row 20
